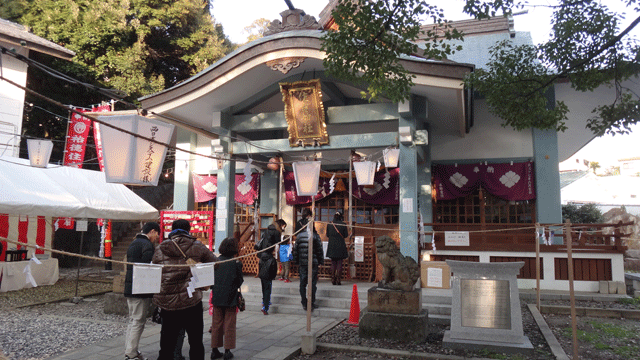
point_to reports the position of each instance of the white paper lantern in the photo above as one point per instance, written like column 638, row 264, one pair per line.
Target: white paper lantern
column 39, row 152
column 132, row 160
column 307, row 175
column 365, row 171
column 391, row 157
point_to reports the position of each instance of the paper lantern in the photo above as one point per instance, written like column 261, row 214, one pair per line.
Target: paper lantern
column 274, row 164
column 132, row 160
column 391, row 157
column 365, row 171
column 39, row 152
column 307, row 176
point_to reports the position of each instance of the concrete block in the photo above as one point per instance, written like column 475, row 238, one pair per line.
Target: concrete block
column 118, row 284
column 604, row 287
column 308, row 345
column 613, row 287
column 636, row 285
column 116, row 304
column 636, row 294
column 622, row 288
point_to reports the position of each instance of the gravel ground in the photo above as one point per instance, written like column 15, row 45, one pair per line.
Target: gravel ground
column 618, row 342
column 38, row 332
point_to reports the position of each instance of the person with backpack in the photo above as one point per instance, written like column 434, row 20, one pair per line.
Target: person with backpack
column 268, row 266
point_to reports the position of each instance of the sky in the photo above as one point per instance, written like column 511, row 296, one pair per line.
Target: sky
column 238, row 14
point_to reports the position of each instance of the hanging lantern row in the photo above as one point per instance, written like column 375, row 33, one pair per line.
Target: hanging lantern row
column 307, row 173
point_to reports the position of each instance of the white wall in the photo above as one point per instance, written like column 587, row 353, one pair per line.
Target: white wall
column 12, row 101
column 486, row 140
column 580, row 105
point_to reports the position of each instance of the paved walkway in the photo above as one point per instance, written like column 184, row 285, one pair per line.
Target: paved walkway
column 275, row 336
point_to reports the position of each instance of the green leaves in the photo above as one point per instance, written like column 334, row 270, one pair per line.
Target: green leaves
column 372, row 38
column 137, row 46
column 516, row 87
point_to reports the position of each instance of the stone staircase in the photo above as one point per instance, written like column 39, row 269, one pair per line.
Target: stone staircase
column 160, row 197
column 334, row 301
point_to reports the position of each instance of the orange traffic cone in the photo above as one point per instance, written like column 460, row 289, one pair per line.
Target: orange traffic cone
column 354, row 315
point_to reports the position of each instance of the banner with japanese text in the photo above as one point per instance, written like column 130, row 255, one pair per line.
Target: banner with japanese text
column 96, row 134
column 76, row 141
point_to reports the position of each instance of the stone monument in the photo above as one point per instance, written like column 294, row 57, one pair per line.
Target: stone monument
column 485, row 308
column 394, row 309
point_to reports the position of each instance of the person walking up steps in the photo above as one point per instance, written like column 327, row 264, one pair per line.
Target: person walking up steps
column 268, row 267
column 337, row 248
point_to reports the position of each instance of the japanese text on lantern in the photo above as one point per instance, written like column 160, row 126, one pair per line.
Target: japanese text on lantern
column 148, row 161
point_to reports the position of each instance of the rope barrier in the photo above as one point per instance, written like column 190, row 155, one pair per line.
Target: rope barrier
column 286, row 239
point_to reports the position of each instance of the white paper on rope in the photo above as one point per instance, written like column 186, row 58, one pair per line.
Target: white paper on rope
column 202, row 275
column 146, row 279
column 456, row 238
column 358, row 248
column 28, row 276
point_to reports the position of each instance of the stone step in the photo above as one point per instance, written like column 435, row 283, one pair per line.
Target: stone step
column 333, row 301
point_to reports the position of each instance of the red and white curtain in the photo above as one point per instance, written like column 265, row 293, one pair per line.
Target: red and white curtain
column 33, row 230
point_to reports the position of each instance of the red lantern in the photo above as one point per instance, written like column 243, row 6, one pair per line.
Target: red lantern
column 274, row 164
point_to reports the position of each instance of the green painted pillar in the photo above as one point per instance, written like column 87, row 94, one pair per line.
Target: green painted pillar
column 183, row 183
column 545, row 157
column 409, row 181
column 269, row 183
column 225, row 199
column 424, row 185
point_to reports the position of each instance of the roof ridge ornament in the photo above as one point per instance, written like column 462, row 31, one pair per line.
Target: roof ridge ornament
column 295, row 19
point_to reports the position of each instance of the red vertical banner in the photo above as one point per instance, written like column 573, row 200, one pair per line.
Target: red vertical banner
column 41, row 234
column 77, row 134
column 23, row 229
column 96, row 134
column 4, row 225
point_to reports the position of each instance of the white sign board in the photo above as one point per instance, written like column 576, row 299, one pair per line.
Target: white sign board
column 358, row 248
column 456, row 238
column 146, row 279
column 82, row 225
column 407, row 205
column 202, row 275
column 434, row 277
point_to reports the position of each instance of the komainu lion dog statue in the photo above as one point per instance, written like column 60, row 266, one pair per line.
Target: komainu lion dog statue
column 400, row 272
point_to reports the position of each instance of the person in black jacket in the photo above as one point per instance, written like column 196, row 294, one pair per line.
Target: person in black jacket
column 268, row 267
column 306, row 216
column 337, row 248
column 301, row 258
column 140, row 251
column 224, row 298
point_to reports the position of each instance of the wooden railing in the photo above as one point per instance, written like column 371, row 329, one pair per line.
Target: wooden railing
column 603, row 238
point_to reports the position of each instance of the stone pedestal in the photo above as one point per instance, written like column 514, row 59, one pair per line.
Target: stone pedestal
column 399, row 327
column 394, row 301
column 394, row 314
column 485, row 308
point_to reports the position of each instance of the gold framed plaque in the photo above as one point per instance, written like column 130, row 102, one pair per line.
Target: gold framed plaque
column 304, row 112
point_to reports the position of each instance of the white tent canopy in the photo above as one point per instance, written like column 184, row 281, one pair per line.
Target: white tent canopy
column 61, row 191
